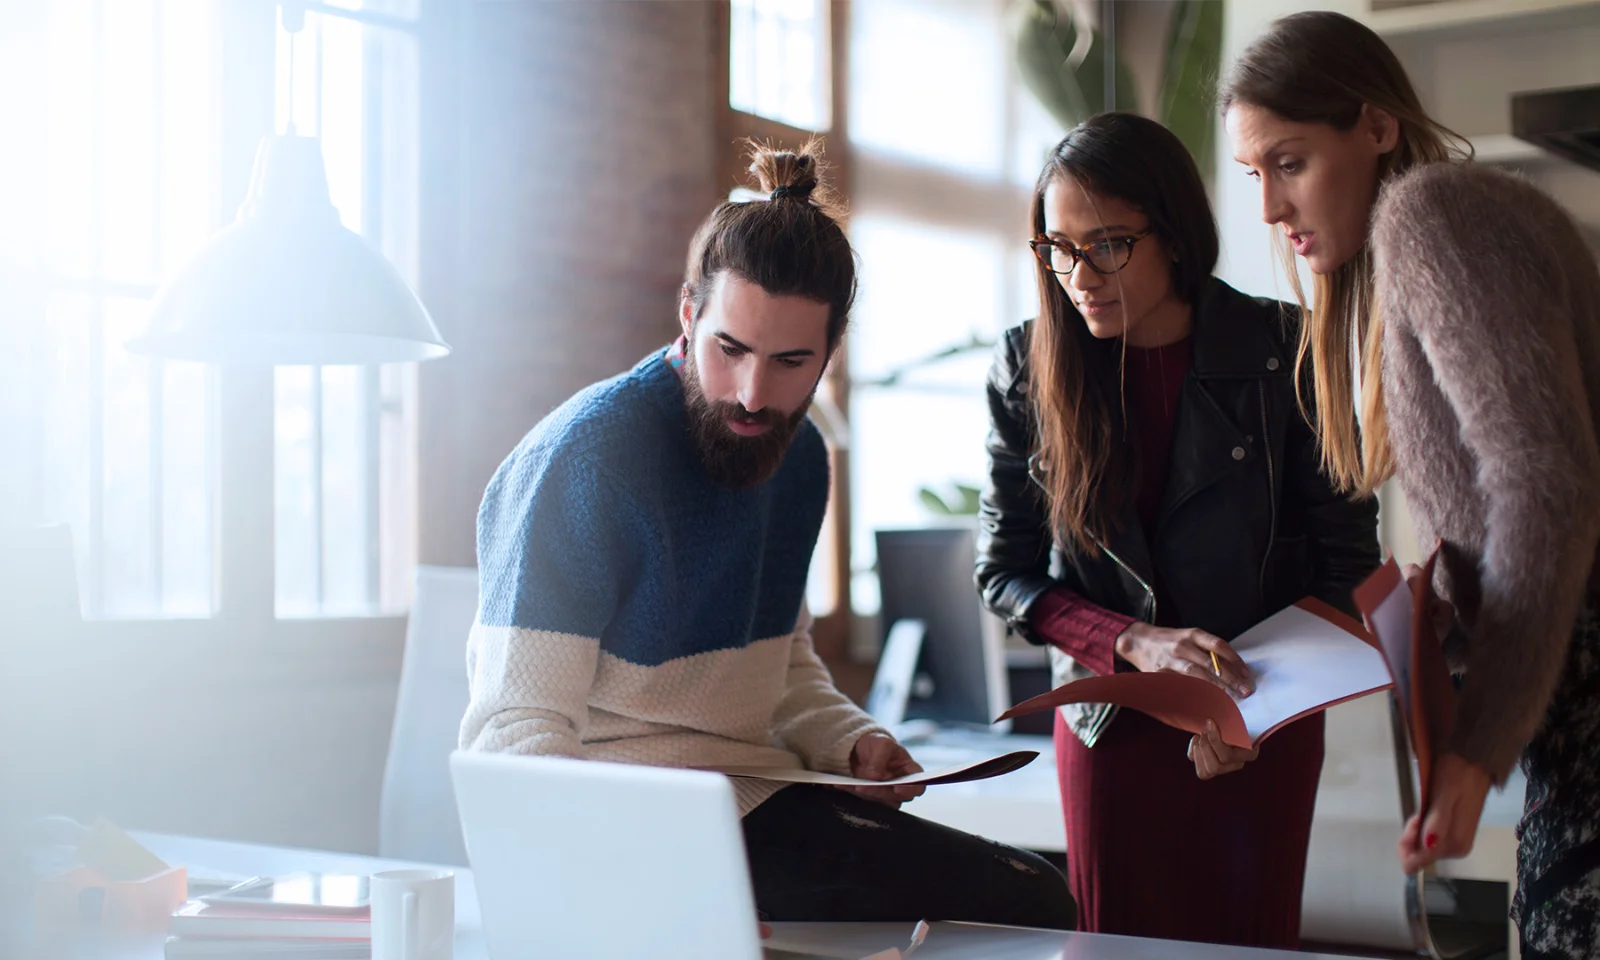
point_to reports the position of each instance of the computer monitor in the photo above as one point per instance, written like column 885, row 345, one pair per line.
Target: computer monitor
column 960, row 676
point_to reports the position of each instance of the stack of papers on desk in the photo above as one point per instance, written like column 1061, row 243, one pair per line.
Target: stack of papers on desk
column 189, row 948
column 201, row 929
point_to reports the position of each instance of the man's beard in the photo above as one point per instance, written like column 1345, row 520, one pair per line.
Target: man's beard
column 733, row 460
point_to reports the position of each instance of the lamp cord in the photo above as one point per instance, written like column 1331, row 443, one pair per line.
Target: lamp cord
column 294, row 18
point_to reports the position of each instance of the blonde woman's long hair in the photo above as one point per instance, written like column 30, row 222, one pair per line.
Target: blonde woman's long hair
column 1322, row 67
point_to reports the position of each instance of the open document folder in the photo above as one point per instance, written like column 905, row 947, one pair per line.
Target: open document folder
column 1398, row 614
column 1304, row 658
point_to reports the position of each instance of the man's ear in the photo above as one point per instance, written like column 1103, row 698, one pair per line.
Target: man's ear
column 685, row 309
column 1382, row 127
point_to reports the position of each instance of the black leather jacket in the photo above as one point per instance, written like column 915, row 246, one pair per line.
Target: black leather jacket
column 1247, row 525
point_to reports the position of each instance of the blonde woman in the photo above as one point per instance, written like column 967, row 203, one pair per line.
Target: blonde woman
column 1471, row 304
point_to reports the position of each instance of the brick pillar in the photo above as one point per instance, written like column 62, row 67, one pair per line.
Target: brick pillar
column 568, row 155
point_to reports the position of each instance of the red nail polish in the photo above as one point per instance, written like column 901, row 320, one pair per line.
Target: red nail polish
column 1431, row 841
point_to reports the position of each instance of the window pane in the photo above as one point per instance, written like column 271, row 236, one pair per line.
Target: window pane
column 348, row 491
column 189, row 213
column 917, row 419
column 908, row 439
column 126, row 419
column 397, row 483
column 928, row 82
column 297, row 491
column 130, row 185
column 112, row 167
column 1034, row 134
column 904, row 312
column 778, row 61
column 58, row 379
column 186, row 485
column 345, row 489
column 72, row 126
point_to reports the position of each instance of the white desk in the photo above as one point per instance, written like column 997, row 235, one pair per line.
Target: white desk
column 841, row 941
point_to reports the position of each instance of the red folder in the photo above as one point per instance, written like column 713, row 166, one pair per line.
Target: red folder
column 1397, row 614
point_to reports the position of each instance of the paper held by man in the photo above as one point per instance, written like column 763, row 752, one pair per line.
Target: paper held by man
column 1305, row 658
column 960, row 773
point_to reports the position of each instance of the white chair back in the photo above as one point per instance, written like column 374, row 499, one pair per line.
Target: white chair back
column 418, row 819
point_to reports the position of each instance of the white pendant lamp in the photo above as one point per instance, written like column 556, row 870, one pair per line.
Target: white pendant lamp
column 287, row 283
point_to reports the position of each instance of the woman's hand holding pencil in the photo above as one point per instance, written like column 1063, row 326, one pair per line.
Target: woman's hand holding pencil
column 1193, row 652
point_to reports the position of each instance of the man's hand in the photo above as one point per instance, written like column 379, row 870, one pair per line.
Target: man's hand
column 1189, row 651
column 1212, row 757
column 1450, row 824
column 877, row 756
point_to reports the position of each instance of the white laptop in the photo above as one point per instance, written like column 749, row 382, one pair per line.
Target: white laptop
column 578, row 858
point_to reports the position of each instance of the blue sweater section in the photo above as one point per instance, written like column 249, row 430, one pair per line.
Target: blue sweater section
column 603, row 523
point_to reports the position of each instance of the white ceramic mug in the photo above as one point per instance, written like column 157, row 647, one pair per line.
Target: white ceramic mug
column 413, row 914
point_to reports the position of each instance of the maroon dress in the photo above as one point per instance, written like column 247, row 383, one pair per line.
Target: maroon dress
column 1152, row 850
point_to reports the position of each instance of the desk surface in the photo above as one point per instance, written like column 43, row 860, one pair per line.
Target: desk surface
column 842, row 941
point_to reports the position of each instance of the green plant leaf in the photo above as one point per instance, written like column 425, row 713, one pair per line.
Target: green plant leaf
column 970, row 498
column 1042, row 39
column 1188, row 87
column 963, row 500
column 933, row 502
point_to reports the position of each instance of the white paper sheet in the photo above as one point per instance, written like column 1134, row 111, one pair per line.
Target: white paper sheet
column 1300, row 661
column 1391, row 622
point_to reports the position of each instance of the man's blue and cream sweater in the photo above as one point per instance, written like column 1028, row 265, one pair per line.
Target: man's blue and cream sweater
column 632, row 610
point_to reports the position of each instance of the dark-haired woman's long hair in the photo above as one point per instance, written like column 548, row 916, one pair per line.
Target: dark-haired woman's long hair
column 1086, row 457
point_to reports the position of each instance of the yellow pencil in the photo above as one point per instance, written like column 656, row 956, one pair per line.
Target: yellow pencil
column 1214, row 665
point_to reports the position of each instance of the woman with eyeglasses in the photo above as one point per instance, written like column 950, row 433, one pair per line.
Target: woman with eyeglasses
column 1473, row 301
column 1153, row 492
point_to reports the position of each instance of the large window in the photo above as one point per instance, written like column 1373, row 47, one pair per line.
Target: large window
column 939, row 146
column 133, row 126
column 946, row 145
column 114, row 183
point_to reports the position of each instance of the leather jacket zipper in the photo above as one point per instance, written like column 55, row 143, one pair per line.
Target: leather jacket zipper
column 1149, row 591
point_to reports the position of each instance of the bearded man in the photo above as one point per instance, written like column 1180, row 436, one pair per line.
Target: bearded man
column 642, row 567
